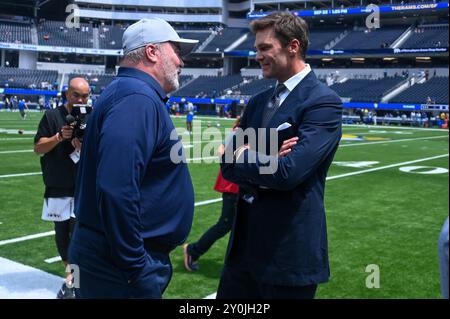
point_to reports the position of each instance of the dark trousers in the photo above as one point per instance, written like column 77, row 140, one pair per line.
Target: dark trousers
column 99, row 277
column 220, row 229
column 63, row 233
column 237, row 282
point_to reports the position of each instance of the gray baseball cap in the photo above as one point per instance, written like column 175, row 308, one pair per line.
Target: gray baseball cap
column 154, row 30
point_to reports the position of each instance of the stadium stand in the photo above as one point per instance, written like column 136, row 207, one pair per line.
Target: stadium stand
column 319, row 39
column 224, row 39
column 14, row 32
column 25, row 79
column 110, row 37
column 255, row 86
column 208, row 86
column 436, row 88
column 363, row 38
column 430, row 36
column 366, row 90
column 55, row 33
column 98, row 82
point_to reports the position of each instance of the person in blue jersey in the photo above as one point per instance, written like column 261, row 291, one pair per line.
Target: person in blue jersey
column 22, row 106
column 189, row 120
column 134, row 201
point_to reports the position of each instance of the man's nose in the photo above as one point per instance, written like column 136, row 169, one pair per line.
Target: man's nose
column 258, row 57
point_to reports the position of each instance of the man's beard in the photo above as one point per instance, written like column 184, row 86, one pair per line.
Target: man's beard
column 171, row 75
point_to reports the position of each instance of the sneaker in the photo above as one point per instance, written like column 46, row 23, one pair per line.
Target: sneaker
column 189, row 263
column 66, row 292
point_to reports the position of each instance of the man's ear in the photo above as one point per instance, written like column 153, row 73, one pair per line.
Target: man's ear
column 151, row 53
column 294, row 47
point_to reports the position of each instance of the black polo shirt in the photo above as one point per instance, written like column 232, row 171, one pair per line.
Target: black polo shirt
column 58, row 169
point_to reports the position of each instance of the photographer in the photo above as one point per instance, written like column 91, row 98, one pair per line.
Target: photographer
column 59, row 149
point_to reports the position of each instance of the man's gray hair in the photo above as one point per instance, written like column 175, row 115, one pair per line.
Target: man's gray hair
column 137, row 55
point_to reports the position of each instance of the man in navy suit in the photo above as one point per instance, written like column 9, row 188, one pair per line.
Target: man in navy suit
column 278, row 245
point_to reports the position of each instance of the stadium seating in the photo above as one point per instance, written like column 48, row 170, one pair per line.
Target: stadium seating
column 318, row 38
column 97, row 82
column 436, row 88
column 224, row 38
column 55, row 33
column 255, row 86
column 14, row 32
column 428, row 37
column 370, row 39
column 208, row 86
column 110, row 37
column 25, row 79
column 366, row 90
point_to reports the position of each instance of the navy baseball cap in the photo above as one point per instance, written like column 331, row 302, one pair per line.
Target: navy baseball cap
column 154, row 30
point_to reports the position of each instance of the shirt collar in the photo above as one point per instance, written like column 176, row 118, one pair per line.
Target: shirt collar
column 292, row 82
column 145, row 77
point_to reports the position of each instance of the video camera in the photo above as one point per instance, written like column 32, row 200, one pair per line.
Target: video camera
column 78, row 117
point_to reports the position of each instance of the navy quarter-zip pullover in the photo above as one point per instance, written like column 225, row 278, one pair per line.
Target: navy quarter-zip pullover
column 128, row 188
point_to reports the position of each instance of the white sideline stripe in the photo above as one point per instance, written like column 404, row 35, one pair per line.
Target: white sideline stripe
column 211, row 296
column 207, row 202
column 213, row 141
column 24, row 282
column 15, row 138
column 53, row 260
column 20, row 175
column 386, row 167
column 17, row 151
column 24, row 238
column 216, row 157
column 203, row 158
column 395, row 127
column 15, row 131
column 394, row 141
column 50, row 233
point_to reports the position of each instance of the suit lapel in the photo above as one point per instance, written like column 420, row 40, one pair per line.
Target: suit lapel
column 296, row 97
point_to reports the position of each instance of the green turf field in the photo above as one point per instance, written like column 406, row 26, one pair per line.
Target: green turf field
column 376, row 213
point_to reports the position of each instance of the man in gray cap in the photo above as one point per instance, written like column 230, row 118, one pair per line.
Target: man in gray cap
column 134, row 204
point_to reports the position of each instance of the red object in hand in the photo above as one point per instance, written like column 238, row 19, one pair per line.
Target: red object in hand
column 224, row 186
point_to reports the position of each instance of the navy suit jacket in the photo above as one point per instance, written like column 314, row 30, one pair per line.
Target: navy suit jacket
column 281, row 236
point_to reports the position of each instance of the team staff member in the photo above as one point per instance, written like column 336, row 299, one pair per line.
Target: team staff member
column 134, row 204
column 54, row 141
column 278, row 245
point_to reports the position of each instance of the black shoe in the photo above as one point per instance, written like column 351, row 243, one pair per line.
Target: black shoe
column 66, row 292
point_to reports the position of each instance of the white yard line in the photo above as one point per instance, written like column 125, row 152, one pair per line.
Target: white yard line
column 53, row 260
column 394, row 127
column 386, row 167
column 16, row 151
column 50, row 233
column 20, row 175
column 207, row 202
column 190, row 145
column 16, row 131
column 15, row 138
column 24, row 238
column 394, row 141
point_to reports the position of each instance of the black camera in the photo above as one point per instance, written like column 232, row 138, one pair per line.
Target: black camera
column 78, row 118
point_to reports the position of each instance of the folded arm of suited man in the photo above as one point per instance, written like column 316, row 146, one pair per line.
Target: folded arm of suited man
column 317, row 123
